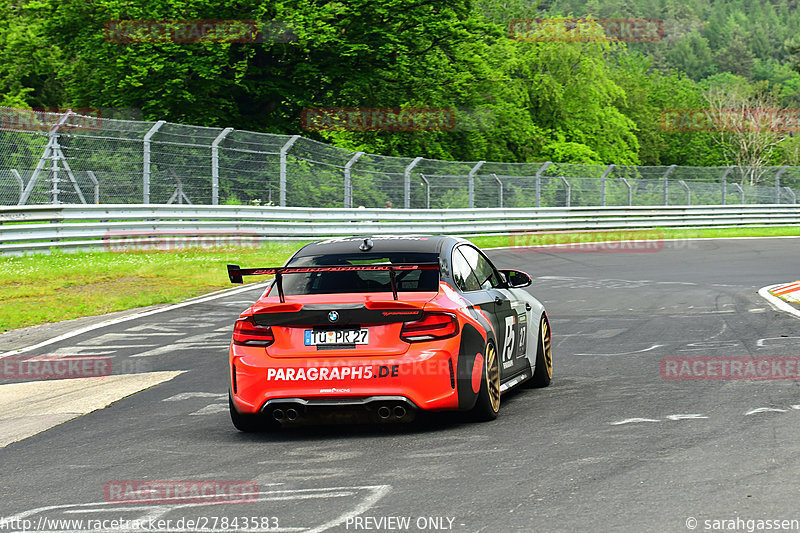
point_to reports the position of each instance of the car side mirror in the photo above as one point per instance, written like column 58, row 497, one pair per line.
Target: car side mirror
column 516, row 278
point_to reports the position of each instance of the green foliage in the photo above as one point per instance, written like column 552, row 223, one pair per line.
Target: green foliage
column 572, row 102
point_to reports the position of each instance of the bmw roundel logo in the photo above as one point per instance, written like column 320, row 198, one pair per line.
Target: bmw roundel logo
column 333, row 316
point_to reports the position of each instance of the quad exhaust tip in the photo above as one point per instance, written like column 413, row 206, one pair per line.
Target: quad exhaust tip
column 291, row 414
column 278, row 414
column 384, row 412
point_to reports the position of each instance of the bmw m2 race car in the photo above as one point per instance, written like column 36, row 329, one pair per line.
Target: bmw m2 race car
column 384, row 327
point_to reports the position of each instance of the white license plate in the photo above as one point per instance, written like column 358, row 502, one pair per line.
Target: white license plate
column 336, row 336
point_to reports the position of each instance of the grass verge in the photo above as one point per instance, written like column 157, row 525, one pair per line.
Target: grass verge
column 39, row 289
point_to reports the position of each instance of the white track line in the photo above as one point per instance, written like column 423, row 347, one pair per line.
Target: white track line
column 86, row 329
column 776, row 302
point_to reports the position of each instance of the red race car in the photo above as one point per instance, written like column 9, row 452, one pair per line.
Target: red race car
column 384, row 327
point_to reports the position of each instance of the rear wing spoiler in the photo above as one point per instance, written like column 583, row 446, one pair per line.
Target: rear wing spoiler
column 235, row 272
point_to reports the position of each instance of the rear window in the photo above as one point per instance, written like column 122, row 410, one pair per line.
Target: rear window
column 367, row 281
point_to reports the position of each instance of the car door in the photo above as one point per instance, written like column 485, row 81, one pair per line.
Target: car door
column 508, row 317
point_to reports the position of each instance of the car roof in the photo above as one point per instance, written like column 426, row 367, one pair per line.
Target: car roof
column 380, row 244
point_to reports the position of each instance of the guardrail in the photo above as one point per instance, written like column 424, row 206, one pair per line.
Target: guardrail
column 26, row 229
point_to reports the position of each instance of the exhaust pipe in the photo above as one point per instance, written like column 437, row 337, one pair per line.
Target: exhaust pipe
column 399, row 411
column 277, row 414
column 384, row 412
column 291, row 414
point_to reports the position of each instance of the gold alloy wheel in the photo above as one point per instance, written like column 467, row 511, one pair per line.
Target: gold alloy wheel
column 493, row 377
column 548, row 355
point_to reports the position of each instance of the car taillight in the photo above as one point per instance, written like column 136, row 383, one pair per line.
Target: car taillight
column 248, row 333
column 432, row 326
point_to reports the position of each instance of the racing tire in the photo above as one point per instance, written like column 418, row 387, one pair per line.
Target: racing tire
column 487, row 404
column 246, row 423
column 543, row 372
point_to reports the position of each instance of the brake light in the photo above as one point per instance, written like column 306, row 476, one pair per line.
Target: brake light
column 248, row 333
column 432, row 326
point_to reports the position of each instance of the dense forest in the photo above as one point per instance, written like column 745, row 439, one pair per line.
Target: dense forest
column 517, row 99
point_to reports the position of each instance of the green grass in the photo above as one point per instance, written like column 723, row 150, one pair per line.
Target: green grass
column 38, row 289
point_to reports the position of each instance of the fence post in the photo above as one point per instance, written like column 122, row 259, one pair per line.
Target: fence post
column 427, row 190
column 407, row 182
column 725, row 183
column 666, row 183
column 96, row 186
column 49, row 151
column 539, row 182
column 630, row 191
column 282, row 180
column 778, row 184
column 20, row 183
column 348, row 184
column 499, row 190
column 146, row 161
column 603, row 183
column 568, row 191
column 688, row 192
column 215, row 165
column 471, row 176
column 741, row 192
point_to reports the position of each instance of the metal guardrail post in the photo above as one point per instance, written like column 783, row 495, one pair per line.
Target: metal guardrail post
column 146, row 160
column 603, row 183
column 568, row 190
column 666, row 183
column 741, row 192
column 427, row 190
column 471, row 176
column 21, row 184
column 348, row 183
column 778, row 184
column 630, row 191
column 282, row 179
column 215, row 165
column 539, row 182
column 407, row 183
column 499, row 189
column 725, row 183
column 688, row 192
column 96, row 186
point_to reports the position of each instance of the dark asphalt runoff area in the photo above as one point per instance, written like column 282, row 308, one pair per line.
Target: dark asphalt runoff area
column 616, row 443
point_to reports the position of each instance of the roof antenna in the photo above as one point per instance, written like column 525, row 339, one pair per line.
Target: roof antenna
column 366, row 245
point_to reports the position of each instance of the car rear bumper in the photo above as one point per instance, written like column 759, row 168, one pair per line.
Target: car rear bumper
column 422, row 378
column 375, row 409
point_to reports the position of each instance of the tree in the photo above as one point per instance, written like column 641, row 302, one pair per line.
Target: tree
column 747, row 124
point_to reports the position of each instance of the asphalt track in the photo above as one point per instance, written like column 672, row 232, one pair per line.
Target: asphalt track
column 610, row 446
